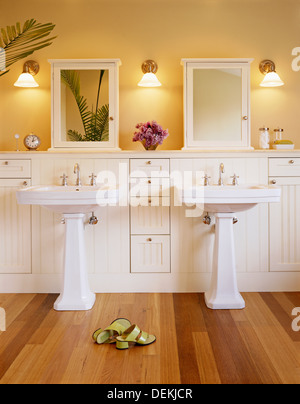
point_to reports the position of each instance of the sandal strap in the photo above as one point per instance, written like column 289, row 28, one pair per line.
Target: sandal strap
column 133, row 335
column 136, row 335
column 143, row 338
column 117, row 327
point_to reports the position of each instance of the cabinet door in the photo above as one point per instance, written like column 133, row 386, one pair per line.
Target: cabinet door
column 15, row 230
column 285, row 227
column 151, row 219
column 150, row 254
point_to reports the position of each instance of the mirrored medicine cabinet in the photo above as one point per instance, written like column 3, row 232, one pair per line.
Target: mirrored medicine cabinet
column 217, row 104
column 85, row 104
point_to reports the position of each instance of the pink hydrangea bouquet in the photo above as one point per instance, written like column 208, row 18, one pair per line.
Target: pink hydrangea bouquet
column 150, row 134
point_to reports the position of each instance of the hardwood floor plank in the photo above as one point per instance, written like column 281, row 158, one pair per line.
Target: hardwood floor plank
column 282, row 316
column 184, row 307
column 207, row 366
column 263, row 365
column 282, row 353
column 235, row 365
column 30, row 318
column 168, row 341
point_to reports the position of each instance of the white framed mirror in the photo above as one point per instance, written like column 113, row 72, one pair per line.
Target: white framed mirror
column 217, row 104
column 85, row 104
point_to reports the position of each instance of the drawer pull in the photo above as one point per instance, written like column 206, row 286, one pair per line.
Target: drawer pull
column 149, row 240
column 292, row 162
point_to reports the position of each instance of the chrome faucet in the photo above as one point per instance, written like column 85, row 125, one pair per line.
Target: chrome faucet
column 221, row 171
column 77, row 171
column 64, row 180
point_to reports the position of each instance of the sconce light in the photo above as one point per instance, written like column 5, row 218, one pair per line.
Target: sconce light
column 271, row 79
column 149, row 68
column 30, row 69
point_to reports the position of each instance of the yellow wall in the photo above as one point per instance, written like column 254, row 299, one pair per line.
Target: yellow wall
column 166, row 31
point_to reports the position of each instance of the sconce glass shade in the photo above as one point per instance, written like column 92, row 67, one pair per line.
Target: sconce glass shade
column 26, row 80
column 149, row 80
column 272, row 80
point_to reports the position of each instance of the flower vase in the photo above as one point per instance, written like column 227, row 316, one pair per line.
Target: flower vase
column 149, row 148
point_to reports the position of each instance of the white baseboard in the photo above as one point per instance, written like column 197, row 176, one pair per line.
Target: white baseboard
column 151, row 283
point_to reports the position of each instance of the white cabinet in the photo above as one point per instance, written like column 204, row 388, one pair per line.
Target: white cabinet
column 217, row 104
column 285, row 216
column 75, row 83
column 150, row 215
column 15, row 228
column 150, row 254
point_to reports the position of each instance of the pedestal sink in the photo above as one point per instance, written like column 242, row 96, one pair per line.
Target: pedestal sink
column 224, row 202
column 73, row 203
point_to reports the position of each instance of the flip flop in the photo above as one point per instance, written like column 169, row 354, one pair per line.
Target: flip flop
column 135, row 335
column 109, row 334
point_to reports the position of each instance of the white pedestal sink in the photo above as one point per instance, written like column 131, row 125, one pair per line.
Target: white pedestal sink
column 73, row 203
column 224, row 202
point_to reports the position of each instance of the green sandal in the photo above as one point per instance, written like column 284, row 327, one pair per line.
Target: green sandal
column 109, row 334
column 134, row 334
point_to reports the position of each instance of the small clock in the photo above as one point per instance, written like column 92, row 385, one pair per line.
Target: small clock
column 32, row 142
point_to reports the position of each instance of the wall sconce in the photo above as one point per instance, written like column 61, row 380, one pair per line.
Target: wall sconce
column 149, row 68
column 271, row 79
column 30, row 69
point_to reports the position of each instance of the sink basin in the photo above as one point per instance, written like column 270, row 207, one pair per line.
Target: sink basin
column 73, row 203
column 224, row 202
column 69, row 199
column 229, row 198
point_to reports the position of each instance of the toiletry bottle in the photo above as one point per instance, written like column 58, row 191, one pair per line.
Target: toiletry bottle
column 264, row 138
column 278, row 134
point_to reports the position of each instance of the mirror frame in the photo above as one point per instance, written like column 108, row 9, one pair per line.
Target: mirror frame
column 189, row 66
column 112, row 65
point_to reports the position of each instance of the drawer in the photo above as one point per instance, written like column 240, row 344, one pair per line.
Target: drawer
column 15, row 168
column 150, row 254
column 153, row 168
column 150, row 201
column 284, row 167
column 150, row 220
column 14, row 183
column 154, row 187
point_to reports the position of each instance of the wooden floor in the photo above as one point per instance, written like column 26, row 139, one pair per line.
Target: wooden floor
column 194, row 344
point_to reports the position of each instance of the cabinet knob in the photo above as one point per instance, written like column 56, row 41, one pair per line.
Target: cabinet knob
column 149, row 162
column 292, row 162
column 149, row 240
column 149, row 182
column 111, row 118
column 6, row 163
column 273, row 182
column 245, row 118
column 25, row 183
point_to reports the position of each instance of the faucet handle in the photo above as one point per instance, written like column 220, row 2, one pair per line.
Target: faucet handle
column 235, row 179
column 93, row 178
column 206, row 180
column 64, row 180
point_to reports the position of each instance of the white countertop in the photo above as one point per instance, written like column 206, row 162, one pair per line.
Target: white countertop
column 152, row 154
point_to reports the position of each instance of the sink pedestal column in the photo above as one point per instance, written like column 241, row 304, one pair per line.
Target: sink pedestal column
column 223, row 293
column 76, row 294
